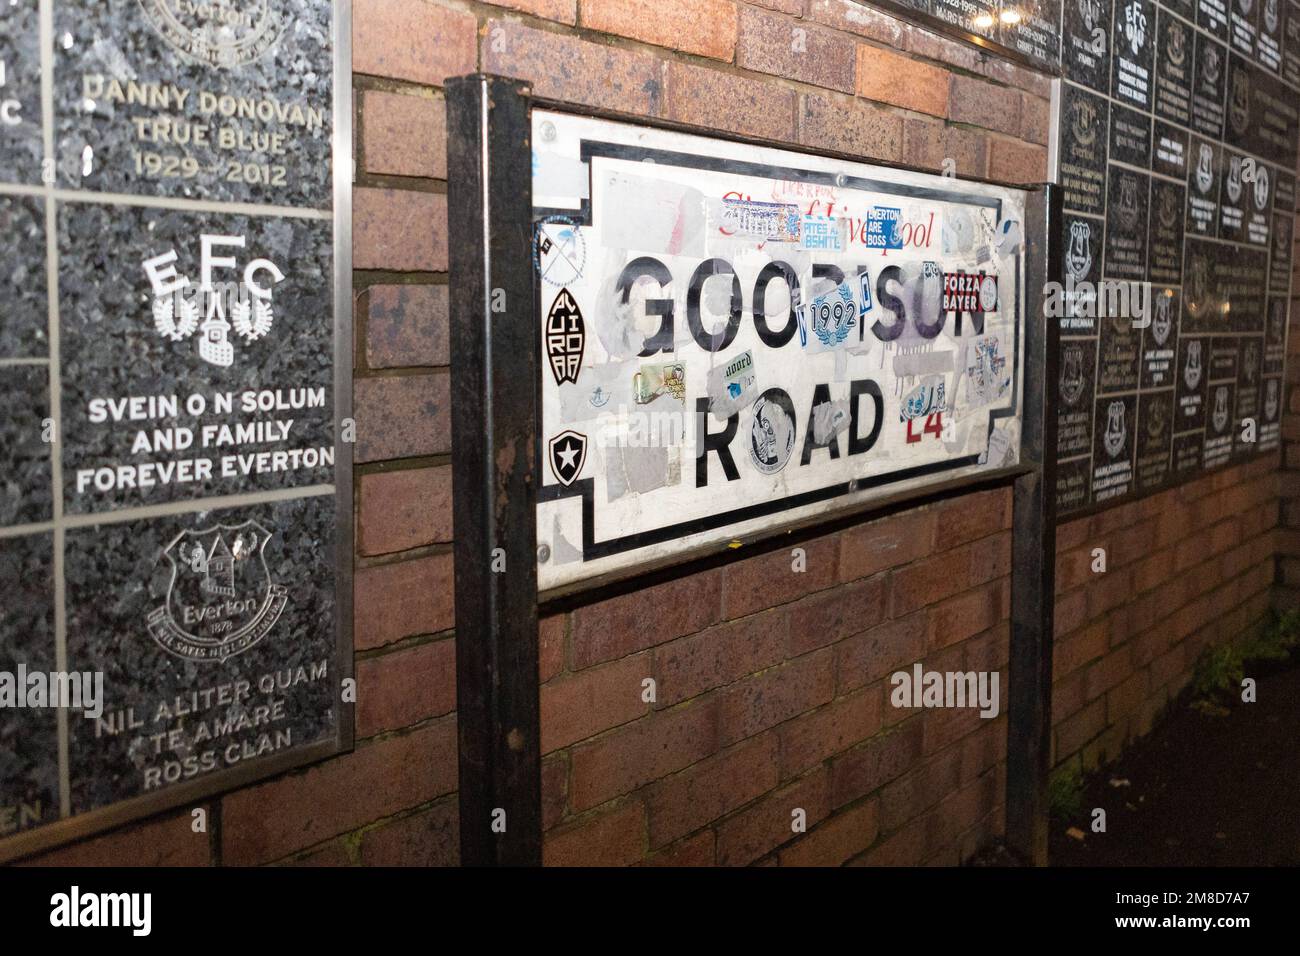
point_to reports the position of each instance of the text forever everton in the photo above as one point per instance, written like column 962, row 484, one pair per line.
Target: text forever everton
column 962, row 295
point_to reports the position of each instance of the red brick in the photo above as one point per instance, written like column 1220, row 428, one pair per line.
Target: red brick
column 403, row 509
column 705, row 27
column 770, row 822
column 1075, row 731
column 1079, row 648
column 577, row 71
column 584, row 704
column 901, row 81
column 929, row 581
column 959, row 811
column 934, row 47
column 646, row 750
column 1016, row 162
column 929, row 143
column 640, row 619
column 811, row 738
column 1035, row 118
column 875, row 763
column 403, row 599
column 887, row 543
column 428, row 838
column 407, row 325
column 866, row 658
column 334, row 853
column 564, row 11
column 901, row 848
column 404, row 687
column 411, row 40
column 843, row 124
column 968, row 517
column 770, row 579
column 834, row 614
column 770, row 43
column 713, row 658
column 616, row 838
column 550, row 652
column 402, row 416
column 687, row 801
column 1004, row 71
column 399, row 230
column 695, row 850
column 776, row 695
column 856, row 18
column 555, row 789
column 967, row 614
column 915, row 792
column 712, row 99
column 836, row 839
column 403, row 135
column 271, row 820
column 984, row 104
column 165, row 841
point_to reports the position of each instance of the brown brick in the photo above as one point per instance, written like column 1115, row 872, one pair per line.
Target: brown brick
column 640, row 619
column 565, row 68
column 866, row 658
column 770, row 43
column 990, row 558
column 793, row 7
column 901, row 848
column 901, row 81
column 695, row 850
column 916, row 791
column 428, row 838
column 887, row 543
column 929, row 580
column 407, row 325
column 834, row 614
column 967, row 614
column 555, row 789
column 735, row 104
column 563, row 11
column 984, row 104
column 399, row 230
column 836, row 839
column 968, row 517
column 616, row 838
column 646, row 750
column 403, row 599
column 770, row 822
column 1079, row 648
column 402, row 416
column 405, row 687
column 705, row 27
column 854, row 17
column 550, row 651
column 334, row 853
column 411, row 40
column 1016, row 162
column 404, row 135
column 928, row 143
column 271, row 820
column 875, row 763
column 1076, row 730
column 846, row 125
column 934, row 47
column 776, row 695
column 584, row 704
column 770, row 579
column 715, row 657
column 165, row 841
column 810, row 738
column 1030, row 81
column 687, row 801
column 1035, row 118
column 403, row 509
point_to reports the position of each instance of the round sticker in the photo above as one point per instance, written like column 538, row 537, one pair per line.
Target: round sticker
column 559, row 251
column 989, row 294
column 771, row 431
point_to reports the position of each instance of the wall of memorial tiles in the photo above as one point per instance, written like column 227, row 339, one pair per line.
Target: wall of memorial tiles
column 1176, row 152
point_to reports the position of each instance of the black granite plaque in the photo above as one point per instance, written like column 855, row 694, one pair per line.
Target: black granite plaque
column 1155, row 420
column 1223, row 359
column 1160, row 340
column 971, row 16
column 1184, row 8
column 1036, row 34
column 24, row 304
column 1283, row 191
column 1082, row 257
column 1187, row 455
column 1085, row 43
column 1291, row 43
column 1203, row 176
column 1113, row 446
column 1084, row 122
column 1233, row 198
column 212, row 101
column 1190, row 382
column 1175, row 57
column 1270, row 431
column 1279, row 267
column 1212, row 16
column 1209, row 81
column 1127, row 195
column 1120, row 348
column 1268, row 41
column 1219, row 425
column 1133, row 39
column 1165, row 239
column 20, row 92
column 1170, row 150
column 1274, row 334
column 1130, row 136
column 1257, row 184
column 1242, row 15
column 1249, row 397
column 1073, row 486
column 1263, row 114
column 26, row 437
column 1076, row 392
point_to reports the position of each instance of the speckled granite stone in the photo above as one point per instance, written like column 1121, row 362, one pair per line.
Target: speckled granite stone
column 25, row 493
column 118, row 574
column 278, row 59
column 24, row 305
column 29, row 747
column 111, row 349
column 20, row 144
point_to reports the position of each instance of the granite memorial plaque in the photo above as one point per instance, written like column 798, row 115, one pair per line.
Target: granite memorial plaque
column 1203, row 177
column 1170, row 150
column 1275, row 335
column 1246, row 418
column 1268, row 41
column 1175, row 49
column 1130, row 137
column 1072, row 486
column 1084, row 135
column 1121, row 349
column 1160, row 340
column 1219, row 425
column 1291, row 43
column 1270, row 429
column 1233, row 198
column 1127, row 198
column 1209, row 80
column 1076, row 395
column 1113, row 446
column 1165, row 239
column 1242, row 15
column 1085, row 43
column 1279, row 268
column 175, row 457
column 1189, row 384
column 1212, row 17
column 1082, row 255
column 1133, row 45
column 1155, row 419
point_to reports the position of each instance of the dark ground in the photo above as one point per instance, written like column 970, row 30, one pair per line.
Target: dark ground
column 1203, row 790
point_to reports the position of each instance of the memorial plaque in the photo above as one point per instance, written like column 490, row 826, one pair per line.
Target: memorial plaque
column 1170, row 151
column 1242, row 15
column 1072, row 484
column 1249, row 382
column 197, row 530
column 1165, row 240
column 1219, row 425
column 1275, row 335
column 1212, row 16
column 1270, row 429
column 1233, row 198
column 1279, row 269
column 1084, row 135
column 1284, row 191
column 1190, row 383
column 1268, row 41
column 1160, row 340
column 1036, row 35
column 1291, row 43
column 1113, row 447
column 1175, row 56
column 1076, row 394
column 1258, row 187
column 721, row 356
column 1130, row 137
column 20, row 92
column 1121, row 349
column 1133, row 44
column 1082, row 245
column 1187, row 455
column 1085, row 43
column 1154, row 441
column 1127, row 197
column 1209, row 81
column 1203, row 178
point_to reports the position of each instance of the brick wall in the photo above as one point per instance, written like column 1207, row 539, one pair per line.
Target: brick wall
column 771, row 684
column 1288, row 536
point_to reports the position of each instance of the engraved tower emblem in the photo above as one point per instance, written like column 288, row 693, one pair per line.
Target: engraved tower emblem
column 1192, row 370
column 1163, row 321
column 1210, row 66
column 1177, row 43
column 1205, row 168
column 1128, row 201
column 1234, row 179
column 1261, row 188
column 1157, row 419
column 1083, row 119
column 220, row 599
column 1078, row 257
column 1270, row 400
column 1072, row 381
column 1220, row 408
column 1116, row 431
column 1270, row 16
column 1090, row 11
column 221, row 34
column 1239, row 107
